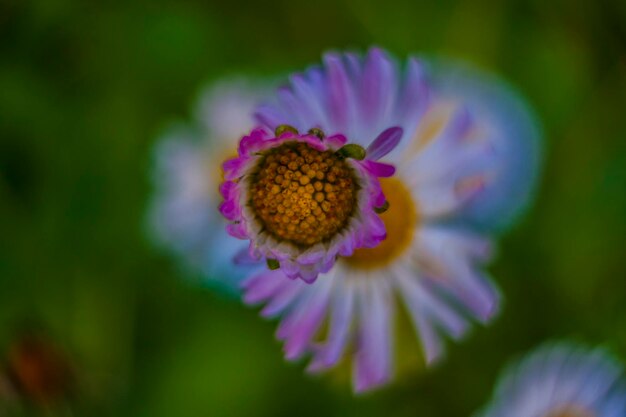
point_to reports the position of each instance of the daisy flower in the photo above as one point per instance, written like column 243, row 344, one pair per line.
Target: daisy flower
column 561, row 380
column 186, row 175
column 298, row 191
column 429, row 266
column 302, row 200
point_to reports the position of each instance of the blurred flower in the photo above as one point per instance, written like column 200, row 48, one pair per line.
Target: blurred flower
column 302, row 200
column 561, row 380
column 513, row 132
column 429, row 265
column 186, row 176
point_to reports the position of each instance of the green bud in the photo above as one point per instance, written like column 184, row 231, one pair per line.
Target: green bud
column 273, row 264
column 382, row 208
column 352, row 150
column 317, row 132
column 285, row 128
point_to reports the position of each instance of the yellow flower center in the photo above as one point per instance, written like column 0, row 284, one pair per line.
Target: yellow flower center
column 570, row 411
column 400, row 221
column 303, row 195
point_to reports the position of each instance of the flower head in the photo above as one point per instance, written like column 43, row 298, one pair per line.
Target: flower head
column 302, row 200
column 561, row 380
column 187, row 174
column 363, row 103
column 429, row 267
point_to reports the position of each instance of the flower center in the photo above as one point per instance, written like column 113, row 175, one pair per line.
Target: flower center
column 303, row 195
column 400, row 221
column 570, row 411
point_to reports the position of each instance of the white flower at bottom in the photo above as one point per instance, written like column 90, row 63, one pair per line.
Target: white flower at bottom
column 561, row 380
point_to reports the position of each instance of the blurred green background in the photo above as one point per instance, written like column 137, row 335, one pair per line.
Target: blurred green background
column 86, row 87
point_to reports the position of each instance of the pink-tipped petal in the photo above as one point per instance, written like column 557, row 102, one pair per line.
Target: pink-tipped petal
column 379, row 169
column 384, row 143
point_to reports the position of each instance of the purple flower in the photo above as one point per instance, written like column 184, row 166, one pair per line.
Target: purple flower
column 429, row 267
column 304, row 199
column 364, row 103
column 561, row 380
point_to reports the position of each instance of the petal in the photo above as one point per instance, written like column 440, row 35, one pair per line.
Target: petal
column 430, row 340
column 447, row 250
column 237, row 230
column 270, row 117
column 372, row 365
column 285, row 297
column 340, row 102
column 243, row 258
column 263, row 286
column 379, row 169
column 378, row 87
column 416, row 95
column 341, row 318
column 304, row 322
column 384, row 143
column 509, row 124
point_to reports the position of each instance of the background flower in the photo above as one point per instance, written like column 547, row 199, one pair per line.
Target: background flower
column 514, row 134
column 187, row 173
column 561, row 380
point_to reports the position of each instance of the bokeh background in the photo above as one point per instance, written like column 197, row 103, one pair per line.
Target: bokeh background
column 87, row 87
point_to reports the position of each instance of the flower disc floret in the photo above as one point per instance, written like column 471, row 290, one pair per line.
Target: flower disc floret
column 303, row 195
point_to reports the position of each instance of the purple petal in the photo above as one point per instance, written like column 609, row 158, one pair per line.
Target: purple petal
column 283, row 298
column 384, row 143
column 461, row 124
column 269, row 116
column 348, row 245
column 305, row 93
column 414, row 301
column 252, row 142
column 233, row 167
column 377, row 86
column 472, row 288
column 336, row 141
column 243, row 257
column 230, row 209
column 373, row 357
column 353, row 65
column 237, row 230
column 379, row 169
column 263, row 287
column 416, row 92
column 376, row 227
column 226, row 188
column 307, row 321
column 341, row 318
column 339, row 102
column 294, row 110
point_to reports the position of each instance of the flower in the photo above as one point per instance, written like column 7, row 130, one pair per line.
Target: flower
column 358, row 103
column 518, row 164
column 561, row 380
column 186, row 176
column 429, row 267
column 302, row 200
